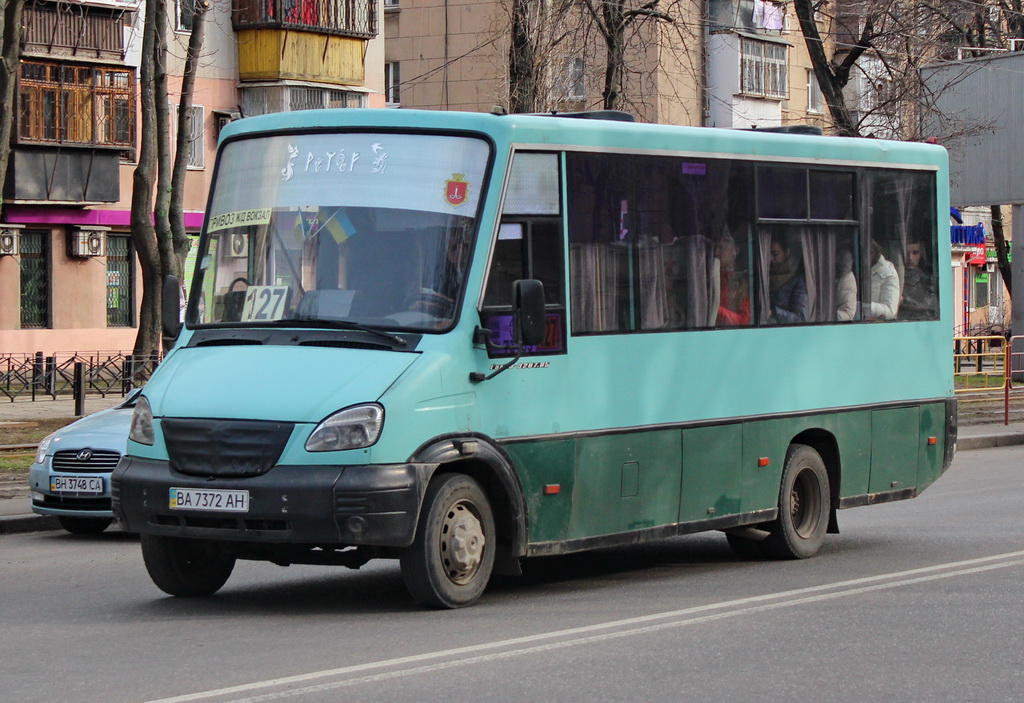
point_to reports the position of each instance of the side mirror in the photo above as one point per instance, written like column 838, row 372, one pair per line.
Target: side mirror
column 171, row 307
column 528, row 297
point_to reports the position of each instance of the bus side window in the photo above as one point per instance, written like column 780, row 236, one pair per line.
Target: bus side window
column 529, row 246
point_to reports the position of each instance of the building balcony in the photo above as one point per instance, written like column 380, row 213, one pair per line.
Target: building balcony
column 85, row 33
column 343, row 18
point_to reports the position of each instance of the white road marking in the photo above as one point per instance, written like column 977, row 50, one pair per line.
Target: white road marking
column 598, row 632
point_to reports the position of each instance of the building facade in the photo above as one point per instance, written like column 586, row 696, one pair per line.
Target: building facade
column 69, row 279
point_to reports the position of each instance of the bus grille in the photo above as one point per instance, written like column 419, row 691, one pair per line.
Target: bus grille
column 228, row 448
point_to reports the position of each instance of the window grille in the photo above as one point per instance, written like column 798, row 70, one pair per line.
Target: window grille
column 815, row 98
column 764, row 71
column 119, row 281
column 261, row 100
column 35, row 279
column 77, row 104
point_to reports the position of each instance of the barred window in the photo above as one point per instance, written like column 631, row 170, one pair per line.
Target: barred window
column 78, row 104
column 119, row 280
column 196, row 127
column 35, row 279
column 764, row 71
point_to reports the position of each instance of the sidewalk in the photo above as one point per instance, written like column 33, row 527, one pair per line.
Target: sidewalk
column 16, row 512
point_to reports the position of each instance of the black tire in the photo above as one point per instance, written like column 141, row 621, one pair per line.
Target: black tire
column 84, row 525
column 744, row 547
column 450, row 561
column 186, row 567
column 800, row 528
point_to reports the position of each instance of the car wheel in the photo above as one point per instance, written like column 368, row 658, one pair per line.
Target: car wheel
column 84, row 525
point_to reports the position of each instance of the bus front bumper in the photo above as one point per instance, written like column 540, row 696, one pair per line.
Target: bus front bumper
column 375, row 505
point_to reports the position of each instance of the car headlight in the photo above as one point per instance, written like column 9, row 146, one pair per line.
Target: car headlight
column 142, row 422
column 351, row 428
column 43, row 448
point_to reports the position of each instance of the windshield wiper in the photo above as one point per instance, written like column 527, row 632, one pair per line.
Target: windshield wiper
column 341, row 325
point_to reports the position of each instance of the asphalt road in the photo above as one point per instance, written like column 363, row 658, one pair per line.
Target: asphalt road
column 914, row 601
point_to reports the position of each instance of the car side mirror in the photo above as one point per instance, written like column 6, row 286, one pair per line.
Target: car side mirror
column 528, row 301
column 171, row 307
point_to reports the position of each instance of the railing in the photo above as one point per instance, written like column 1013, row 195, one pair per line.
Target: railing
column 987, row 365
column 32, row 376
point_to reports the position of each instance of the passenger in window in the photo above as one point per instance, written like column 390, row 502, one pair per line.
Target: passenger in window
column 885, row 288
column 786, row 284
column 919, row 296
column 734, row 295
column 846, row 287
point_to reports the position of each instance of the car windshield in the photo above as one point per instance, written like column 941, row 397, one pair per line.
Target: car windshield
column 340, row 229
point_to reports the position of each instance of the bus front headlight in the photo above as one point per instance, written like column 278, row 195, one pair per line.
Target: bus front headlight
column 142, row 422
column 352, row 428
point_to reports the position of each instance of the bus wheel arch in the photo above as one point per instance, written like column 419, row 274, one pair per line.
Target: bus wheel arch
column 825, row 444
column 488, row 465
column 451, row 558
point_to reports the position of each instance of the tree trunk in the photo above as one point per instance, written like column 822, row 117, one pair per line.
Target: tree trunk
column 831, row 80
column 10, row 31
column 522, row 67
column 614, row 31
column 176, row 212
column 143, row 232
column 1002, row 248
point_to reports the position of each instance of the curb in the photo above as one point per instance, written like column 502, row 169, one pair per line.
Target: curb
column 989, row 441
column 14, row 524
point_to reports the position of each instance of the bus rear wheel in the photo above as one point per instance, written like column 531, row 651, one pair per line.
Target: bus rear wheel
column 450, row 561
column 186, row 567
column 800, row 528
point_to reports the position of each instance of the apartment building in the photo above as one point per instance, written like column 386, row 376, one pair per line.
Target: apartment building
column 69, row 279
column 746, row 67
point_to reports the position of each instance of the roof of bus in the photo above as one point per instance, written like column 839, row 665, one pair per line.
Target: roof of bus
column 549, row 131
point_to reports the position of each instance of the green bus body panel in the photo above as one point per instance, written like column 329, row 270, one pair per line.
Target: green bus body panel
column 712, row 472
column 625, row 482
column 540, row 464
column 621, row 482
column 893, row 458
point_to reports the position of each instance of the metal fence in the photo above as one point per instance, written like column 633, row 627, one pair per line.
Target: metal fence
column 987, row 367
column 39, row 375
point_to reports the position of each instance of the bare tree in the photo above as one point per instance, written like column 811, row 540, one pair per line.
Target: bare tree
column 10, row 31
column 157, row 217
column 144, row 233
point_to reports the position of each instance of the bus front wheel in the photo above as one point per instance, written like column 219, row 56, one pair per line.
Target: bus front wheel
column 449, row 562
column 186, row 567
column 800, row 528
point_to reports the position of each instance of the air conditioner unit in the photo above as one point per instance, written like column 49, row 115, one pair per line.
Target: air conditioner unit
column 9, row 239
column 238, row 245
column 87, row 243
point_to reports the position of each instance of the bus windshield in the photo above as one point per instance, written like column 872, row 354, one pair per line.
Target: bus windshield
column 371, row 229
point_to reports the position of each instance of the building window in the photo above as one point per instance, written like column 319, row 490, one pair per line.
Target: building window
column 575, row 86
column 391, row 84
column 262, row 100
column 35, row 279
column 815, row 98
column 196, row 127
column 119, row 280
column 78, row 104
column 183, row 15
column 764, row 71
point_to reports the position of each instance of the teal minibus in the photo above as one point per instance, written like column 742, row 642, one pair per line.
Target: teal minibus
column 462, row 340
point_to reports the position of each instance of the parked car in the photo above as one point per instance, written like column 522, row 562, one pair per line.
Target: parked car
column 70, row 477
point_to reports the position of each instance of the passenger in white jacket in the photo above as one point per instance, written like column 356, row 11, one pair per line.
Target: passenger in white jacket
column 885, row 288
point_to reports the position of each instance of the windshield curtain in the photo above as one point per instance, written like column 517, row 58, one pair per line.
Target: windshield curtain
column 370, row 229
